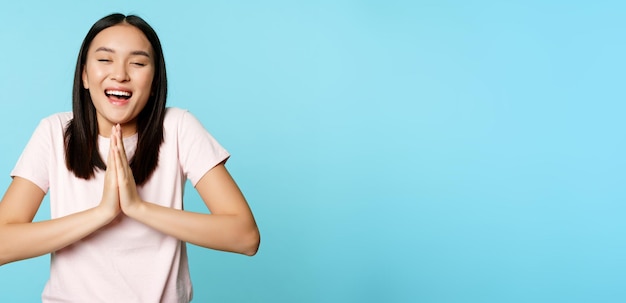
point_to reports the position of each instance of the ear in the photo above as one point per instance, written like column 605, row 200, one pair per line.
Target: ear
column 85, row 78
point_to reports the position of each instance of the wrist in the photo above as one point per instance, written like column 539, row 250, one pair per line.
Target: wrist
column 134, row 210
column 106, row 213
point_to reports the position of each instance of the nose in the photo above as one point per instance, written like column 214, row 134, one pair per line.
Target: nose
column 119, row 72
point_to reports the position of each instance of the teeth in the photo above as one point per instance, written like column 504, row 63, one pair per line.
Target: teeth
column 118, row 93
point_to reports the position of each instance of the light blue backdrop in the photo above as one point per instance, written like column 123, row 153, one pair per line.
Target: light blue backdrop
column 392, row 151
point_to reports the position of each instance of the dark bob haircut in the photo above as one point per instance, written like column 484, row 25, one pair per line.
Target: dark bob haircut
column 82, row 156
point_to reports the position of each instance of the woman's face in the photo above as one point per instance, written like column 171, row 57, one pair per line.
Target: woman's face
column 118, row 73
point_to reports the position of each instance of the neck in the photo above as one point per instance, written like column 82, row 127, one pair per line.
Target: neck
column 128, row 129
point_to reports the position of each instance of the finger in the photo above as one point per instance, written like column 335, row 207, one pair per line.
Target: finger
column 110, row 159
column 110, row 175
column 119, row 166
column 120, row 144
column 112, row 150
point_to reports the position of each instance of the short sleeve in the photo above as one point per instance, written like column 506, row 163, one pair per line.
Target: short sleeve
column 198, row 150
column 33, row 163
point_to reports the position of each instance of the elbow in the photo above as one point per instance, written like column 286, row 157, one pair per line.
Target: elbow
column 4, row 254
column 251, row 243
column 4, row 257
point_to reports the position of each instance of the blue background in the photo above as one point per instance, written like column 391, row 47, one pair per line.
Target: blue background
column 392, row 151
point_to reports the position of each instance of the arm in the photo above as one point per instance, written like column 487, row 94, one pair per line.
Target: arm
column 21, row 239
column 229, row 227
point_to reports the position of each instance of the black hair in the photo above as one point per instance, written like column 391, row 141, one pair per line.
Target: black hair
column 82, row 156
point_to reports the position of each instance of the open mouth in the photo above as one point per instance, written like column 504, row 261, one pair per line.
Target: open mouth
column 118, row 94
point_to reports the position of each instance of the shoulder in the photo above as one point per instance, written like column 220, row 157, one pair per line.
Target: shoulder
column 174, row 112
column 186, row 127
column 57, row 120
column 178, row 118
column 173, row 116
column 55, row 124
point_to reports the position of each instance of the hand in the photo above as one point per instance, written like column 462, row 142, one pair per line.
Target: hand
column 110, row 202
column 127, row 189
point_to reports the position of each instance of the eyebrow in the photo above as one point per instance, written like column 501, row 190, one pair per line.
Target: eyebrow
column 134, row 53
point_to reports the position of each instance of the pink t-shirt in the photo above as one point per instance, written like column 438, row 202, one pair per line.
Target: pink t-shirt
column 125, row 261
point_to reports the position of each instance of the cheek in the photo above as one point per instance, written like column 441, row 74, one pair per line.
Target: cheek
column 143, row 79
column 93, row 74
column 147, row 81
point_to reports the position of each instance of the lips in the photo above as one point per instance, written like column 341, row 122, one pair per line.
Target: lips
column 118, row 96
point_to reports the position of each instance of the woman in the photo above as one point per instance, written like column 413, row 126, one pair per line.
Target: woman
column 126, row 244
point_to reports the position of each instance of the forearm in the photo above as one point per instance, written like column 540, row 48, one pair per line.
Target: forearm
column 20, row 241
column 233, row 233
